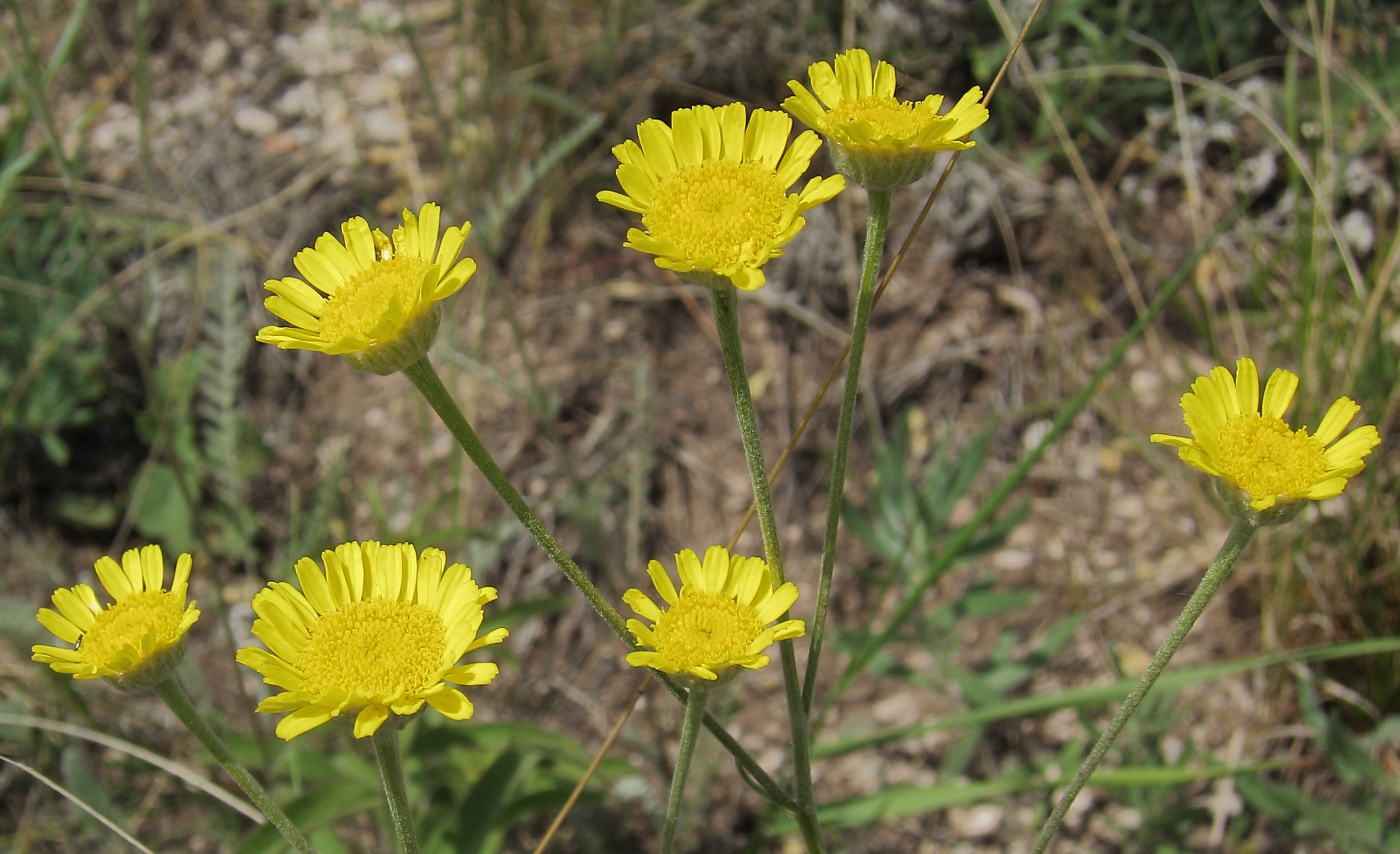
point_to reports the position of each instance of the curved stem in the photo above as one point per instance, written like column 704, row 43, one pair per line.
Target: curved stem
column 426, row 380
column 1235, row 542
column 877, row 223
column 169, row 690
column 725, row 306
column 690, row 729
column 386, row 749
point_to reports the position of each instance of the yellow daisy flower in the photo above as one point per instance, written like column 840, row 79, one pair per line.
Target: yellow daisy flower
column 382, row 630
column 877, row 141
column 719, row 619
column 370, row 301
column 712, row 191
column 138, row 639
column 1254, row 452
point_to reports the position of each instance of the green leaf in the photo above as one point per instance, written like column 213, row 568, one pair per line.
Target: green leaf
column 162, row 511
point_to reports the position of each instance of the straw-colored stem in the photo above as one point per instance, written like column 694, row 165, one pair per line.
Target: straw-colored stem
column 386, row 749
column 1235, row 542
column 690, row 730
column 169, row 690
column 726, row 312
column 877, row 223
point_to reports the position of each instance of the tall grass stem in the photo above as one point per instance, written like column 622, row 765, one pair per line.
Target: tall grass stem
column 174, row 696
column 877, row 225
column 386, row 750
column 725, row 306
column 690, row 730
column 1235, row 541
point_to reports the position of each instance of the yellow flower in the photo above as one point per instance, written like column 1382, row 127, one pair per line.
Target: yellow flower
column 877, row 141
column 711, row 189
column 369, row 301
column 138, row 639
column 1254, row 452
column 382, row 630
column 718, row 621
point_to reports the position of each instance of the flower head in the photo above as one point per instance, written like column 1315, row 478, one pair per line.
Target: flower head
column 719, row 619
column 370, row 301
column 138, row 639
column 712, row 191
column 877, row 141
column 382, row 630
column 1259, row 459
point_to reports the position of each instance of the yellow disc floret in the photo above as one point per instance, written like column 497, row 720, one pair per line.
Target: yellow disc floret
column 358, row 308
column 703, row 628
column 382, row 646
column 722, row 212
column 124, row 625
column 1264, row 457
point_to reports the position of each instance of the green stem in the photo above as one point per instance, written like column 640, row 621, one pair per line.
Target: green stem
column 877, row 223
column 725, row 306
column 989, row 507
column 425, row 378
column 423, row 375
column 1235, row 542
column 169, row 690
column 690, row 729
column 386, row 749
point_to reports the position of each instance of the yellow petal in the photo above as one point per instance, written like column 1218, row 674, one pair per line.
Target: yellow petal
column 369, row 720
column 1278, row 393
column 1338, row 416
column 1247, row 385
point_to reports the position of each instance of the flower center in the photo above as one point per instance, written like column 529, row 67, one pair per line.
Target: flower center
column 124, row 625
column 886, row 116
column 704, row 629
column 358, row 308
column 1263, row 457
column 376, row 647
column 720, row 212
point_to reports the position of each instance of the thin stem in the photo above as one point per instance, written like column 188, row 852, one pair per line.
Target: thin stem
column 423, row 375
column 725, row 307
column 690, row 729
column 877, row 223
column 169, row 690
column 386, row 749
column 1008, row 484
column 1235, row 542
column 426, row 379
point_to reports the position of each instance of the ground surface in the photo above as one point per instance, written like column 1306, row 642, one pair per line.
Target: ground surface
column 595, row 378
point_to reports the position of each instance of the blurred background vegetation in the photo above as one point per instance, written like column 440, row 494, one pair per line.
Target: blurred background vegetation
column 160, row 159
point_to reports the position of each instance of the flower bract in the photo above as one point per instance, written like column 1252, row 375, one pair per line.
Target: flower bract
column 712, row 190
column 380, row 631
column 137, row 640
column 876, row 140
column 368, row 299
column 717, row 621
column 1246, row 443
